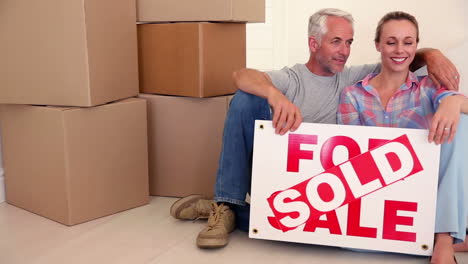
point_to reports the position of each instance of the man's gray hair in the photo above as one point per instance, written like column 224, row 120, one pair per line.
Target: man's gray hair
column 318, row 25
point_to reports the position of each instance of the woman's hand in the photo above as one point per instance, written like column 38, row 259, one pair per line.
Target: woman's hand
column 445, row 120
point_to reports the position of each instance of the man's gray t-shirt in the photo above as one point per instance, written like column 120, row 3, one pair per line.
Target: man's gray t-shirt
column 317, row 96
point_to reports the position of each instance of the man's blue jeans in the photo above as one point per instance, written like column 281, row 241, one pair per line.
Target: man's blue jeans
column 235, row 163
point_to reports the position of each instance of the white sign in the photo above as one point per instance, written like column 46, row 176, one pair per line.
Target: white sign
column 349, row 186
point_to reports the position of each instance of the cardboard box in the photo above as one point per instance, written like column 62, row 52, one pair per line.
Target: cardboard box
column 185, row 136
column 190, row 59
column 201, row 10
column 2, row 187
column 72, row 53
column 2, row 178
column 76, row 164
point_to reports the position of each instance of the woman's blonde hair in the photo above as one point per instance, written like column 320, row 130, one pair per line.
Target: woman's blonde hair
column 396, row 15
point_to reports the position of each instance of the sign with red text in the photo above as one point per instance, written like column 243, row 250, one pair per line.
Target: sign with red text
column 350, row 186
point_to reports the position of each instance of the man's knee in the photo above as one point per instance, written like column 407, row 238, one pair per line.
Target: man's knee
column 243, row 102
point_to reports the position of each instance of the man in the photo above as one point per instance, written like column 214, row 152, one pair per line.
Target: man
column 305, row 92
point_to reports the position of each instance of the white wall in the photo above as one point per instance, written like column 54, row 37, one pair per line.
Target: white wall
column 459, row 56
column 282, row 40
column 260, row 41
column 266, row 42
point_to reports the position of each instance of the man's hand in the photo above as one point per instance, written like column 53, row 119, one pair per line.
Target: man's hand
column 286, row 115
column 441, row 70
column 445, row 120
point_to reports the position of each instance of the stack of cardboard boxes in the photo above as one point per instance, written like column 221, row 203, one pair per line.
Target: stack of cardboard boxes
column 74, row 142
column 188, row 51
column 75, row 134
column 2, row 178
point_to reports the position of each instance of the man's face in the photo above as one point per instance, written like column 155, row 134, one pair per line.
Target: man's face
column 333, row 52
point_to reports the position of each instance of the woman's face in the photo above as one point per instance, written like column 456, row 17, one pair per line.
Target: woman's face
column 397, row 45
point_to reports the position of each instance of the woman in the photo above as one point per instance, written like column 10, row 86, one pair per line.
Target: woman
column 395, row 97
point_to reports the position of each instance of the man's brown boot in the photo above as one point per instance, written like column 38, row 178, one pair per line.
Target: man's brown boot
column 191, row 207
column 220, row 223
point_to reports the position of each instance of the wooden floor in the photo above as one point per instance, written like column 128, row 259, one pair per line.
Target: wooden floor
column 149, row 235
